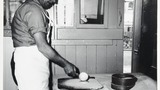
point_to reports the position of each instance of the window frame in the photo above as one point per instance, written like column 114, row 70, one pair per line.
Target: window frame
column 77, row 16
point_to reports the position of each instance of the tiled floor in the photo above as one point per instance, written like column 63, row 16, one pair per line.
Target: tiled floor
column 127, row 61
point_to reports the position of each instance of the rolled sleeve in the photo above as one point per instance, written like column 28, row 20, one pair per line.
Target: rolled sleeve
column 36, row 21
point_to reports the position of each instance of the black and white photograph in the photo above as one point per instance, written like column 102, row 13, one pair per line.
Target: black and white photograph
column 80, row 44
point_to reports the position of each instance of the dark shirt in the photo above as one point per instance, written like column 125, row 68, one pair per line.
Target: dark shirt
column 28, row 20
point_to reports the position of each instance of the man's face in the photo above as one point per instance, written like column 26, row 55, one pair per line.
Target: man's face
column 46, row 4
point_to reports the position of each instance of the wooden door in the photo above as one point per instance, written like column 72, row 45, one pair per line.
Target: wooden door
column 145, row 31
column 136, row 34
column 93, row 47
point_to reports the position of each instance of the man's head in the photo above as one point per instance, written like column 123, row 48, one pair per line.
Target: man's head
column 46, row 4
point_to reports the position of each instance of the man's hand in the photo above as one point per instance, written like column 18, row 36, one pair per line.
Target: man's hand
column 71, row 70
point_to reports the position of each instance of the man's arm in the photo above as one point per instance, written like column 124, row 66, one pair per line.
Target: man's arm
column 52, row 55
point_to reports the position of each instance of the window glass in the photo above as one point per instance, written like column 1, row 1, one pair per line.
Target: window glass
column 92, row 11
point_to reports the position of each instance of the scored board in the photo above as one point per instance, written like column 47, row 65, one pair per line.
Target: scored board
column 76, row 84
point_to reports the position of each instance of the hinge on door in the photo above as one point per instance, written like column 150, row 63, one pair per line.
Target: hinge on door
column 136, row 51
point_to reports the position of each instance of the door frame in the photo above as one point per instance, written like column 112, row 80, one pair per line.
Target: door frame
column 137, row 21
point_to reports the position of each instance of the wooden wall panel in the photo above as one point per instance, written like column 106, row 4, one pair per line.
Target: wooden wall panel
column 70, row 54
column 113, row 14
column 81, row 42
column 89, row 34
column 81, row 58
column 111, row 58
column 101, row 59
column 119, row 55
column 91, row 59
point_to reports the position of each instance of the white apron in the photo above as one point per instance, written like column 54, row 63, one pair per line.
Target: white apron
column 31, row 68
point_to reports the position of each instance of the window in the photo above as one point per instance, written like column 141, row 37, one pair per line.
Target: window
column 91, row 13
column 81, row 13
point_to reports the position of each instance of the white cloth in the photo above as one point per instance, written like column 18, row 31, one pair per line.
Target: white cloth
column 31, row 69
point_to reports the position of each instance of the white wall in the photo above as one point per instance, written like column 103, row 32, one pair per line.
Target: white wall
column 8, row 83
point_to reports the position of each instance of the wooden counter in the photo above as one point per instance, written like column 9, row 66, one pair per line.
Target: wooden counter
column 143, row 83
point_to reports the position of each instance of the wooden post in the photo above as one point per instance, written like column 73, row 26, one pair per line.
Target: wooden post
column 7, row 18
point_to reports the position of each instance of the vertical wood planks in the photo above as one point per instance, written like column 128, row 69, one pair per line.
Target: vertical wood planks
column 70, row 54
column 91, row 59
column 119, row 56
column 113, row 14
column 111, row 58
column 81, row 57
column 101, row 59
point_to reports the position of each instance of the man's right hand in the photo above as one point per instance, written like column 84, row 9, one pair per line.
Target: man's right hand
column 71, row 70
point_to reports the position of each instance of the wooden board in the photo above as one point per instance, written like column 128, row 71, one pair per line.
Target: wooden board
column 76, row 84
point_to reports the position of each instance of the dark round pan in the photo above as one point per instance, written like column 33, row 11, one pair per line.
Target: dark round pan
column 123, row 81
column 121, row 87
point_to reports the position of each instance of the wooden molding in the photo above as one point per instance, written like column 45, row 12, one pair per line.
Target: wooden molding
column 82, row 42
column 89, row 34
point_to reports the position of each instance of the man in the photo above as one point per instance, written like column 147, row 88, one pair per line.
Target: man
column 32, row 51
